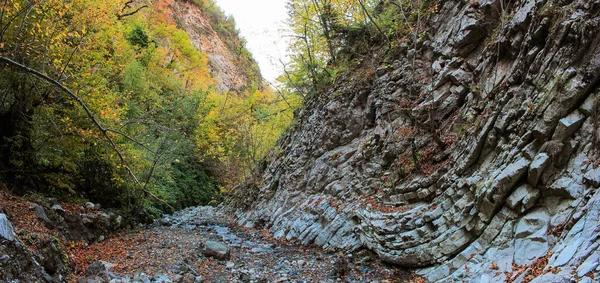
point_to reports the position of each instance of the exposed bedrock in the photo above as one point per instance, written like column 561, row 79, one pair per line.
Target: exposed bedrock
column 513, row 99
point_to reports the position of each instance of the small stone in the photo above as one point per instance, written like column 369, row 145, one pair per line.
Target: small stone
column 89, row 205
column 165, row 221
column 569, row 74
column 229, row 264
column 188, row 278
column 100, row 269
column 52, row 201
column 162, row 278
column 141, row 277
column 58, row 208
column 118, row 221
column 40, row 212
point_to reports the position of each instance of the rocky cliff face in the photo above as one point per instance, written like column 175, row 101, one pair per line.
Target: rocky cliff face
column 510, row 194
column 224, row 49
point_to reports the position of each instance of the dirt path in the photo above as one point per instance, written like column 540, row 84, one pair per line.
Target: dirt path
column 172, row 249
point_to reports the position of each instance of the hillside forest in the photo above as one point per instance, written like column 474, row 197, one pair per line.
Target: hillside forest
column 111, row 101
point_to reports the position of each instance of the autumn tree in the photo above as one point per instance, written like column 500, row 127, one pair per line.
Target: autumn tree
column 110, row 101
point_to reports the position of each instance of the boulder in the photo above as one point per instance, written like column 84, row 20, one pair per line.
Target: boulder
column 469, row 32
column 6, row 229
column 588, row 265
column 165, row 221
column 41, row 214
column 17, row 264
column 216, row 250
column 567, row 253
column 534, row 223
column 528, row 250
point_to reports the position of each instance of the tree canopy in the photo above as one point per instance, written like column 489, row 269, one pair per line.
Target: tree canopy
column 128, row 109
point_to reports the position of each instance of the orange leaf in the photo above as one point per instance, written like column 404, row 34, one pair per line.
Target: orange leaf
column 494, row 266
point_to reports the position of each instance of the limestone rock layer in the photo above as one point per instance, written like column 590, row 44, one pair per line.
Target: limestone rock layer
column 499, row 102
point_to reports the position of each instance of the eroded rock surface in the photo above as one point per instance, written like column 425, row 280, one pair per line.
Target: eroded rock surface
column 514, row 101
column 17, row 264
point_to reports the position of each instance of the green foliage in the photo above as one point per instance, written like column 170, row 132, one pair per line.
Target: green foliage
column 138, row 37
column 141, row 77
column 97, row 177
column 332, row 36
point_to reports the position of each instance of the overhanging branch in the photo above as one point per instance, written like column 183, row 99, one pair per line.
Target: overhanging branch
column 120, row 16
column 90, row 115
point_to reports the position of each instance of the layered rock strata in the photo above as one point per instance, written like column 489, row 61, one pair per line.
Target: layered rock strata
column 497, row 105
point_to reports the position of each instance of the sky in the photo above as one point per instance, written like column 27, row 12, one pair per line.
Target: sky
column 260, row 22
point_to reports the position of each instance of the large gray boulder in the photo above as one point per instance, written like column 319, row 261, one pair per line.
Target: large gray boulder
column 6, row 230
column 216, row 250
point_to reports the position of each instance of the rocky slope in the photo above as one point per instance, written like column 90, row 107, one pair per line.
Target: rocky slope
column 223, row 47
column 35, row 248
column 510, row 88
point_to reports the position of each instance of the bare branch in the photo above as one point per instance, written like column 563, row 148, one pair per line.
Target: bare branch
column 121, row 16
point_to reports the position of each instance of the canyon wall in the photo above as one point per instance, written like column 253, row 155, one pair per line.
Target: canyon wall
column 471, row 155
